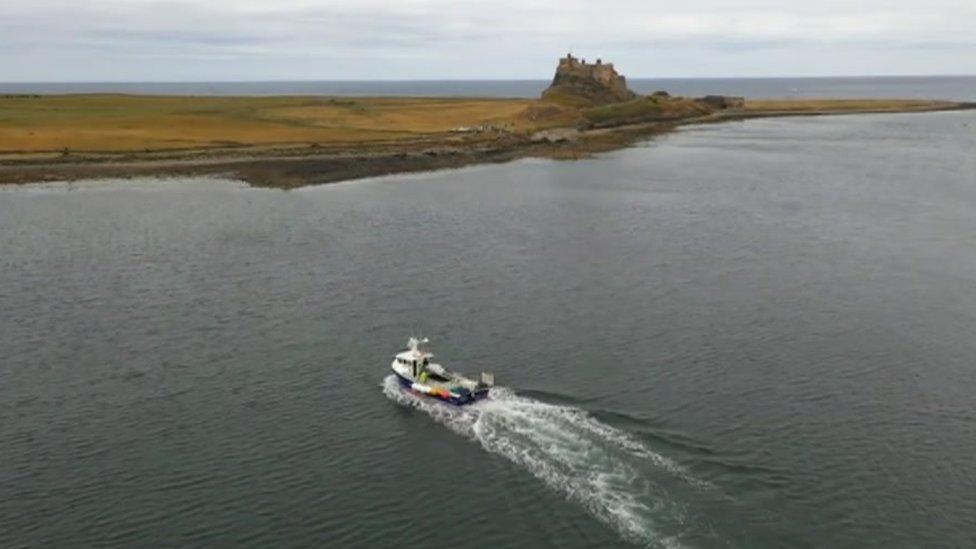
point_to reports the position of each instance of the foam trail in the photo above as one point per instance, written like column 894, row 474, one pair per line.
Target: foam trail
column 590, row 462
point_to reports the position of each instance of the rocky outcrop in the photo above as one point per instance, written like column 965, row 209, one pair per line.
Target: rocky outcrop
column 556, row 135
column 723, row 102
column 594, row 83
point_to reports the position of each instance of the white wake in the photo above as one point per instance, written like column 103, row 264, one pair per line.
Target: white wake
column 590, row 462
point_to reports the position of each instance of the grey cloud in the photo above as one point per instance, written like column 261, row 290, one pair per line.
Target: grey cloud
column 302, row 39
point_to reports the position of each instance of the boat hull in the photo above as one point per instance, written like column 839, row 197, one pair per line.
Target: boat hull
column 441, row 395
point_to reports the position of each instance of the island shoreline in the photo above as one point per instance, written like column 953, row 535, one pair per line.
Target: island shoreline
column 290, row 167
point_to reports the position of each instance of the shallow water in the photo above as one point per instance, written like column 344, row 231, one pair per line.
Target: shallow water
column 753, row 334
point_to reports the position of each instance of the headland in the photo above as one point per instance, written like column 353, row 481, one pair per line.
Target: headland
column 292, row 141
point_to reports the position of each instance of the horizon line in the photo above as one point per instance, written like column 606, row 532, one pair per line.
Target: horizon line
column 360, row 80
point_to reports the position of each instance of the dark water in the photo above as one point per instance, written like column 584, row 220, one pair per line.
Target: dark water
column 961, row 88
column 756, row 334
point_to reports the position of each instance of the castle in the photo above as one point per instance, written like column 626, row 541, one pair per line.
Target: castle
column 597, row 82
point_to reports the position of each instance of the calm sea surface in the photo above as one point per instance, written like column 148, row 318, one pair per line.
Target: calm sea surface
column 755, row 334
column 961, row 88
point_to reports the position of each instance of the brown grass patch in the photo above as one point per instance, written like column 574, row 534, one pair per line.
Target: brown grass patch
column 116, row 123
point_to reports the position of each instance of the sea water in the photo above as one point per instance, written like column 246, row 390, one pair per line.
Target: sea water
column 753, row 334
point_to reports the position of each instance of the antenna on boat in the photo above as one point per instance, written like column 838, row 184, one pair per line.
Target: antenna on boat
column 415, row 343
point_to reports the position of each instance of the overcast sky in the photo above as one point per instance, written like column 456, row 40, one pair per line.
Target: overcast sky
column 175, row 40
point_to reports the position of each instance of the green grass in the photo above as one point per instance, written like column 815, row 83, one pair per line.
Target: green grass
column 644, row 109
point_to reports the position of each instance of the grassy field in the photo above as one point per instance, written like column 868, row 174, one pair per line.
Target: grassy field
column 645, row 109
column 79, row 124
column 288, row 142
column 116, row 123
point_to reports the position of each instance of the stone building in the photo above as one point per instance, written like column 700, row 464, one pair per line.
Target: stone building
column 598, row 83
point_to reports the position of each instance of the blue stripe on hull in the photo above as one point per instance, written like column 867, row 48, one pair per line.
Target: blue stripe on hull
column 455, row 401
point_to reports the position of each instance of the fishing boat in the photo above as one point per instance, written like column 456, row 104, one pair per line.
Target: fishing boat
column 419, row 374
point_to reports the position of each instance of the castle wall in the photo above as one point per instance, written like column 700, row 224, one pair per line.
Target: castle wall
column 598, row 82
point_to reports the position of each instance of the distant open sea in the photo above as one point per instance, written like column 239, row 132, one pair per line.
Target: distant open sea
column 922, row 87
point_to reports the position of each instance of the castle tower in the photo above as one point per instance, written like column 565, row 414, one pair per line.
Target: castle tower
column 597, row 84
